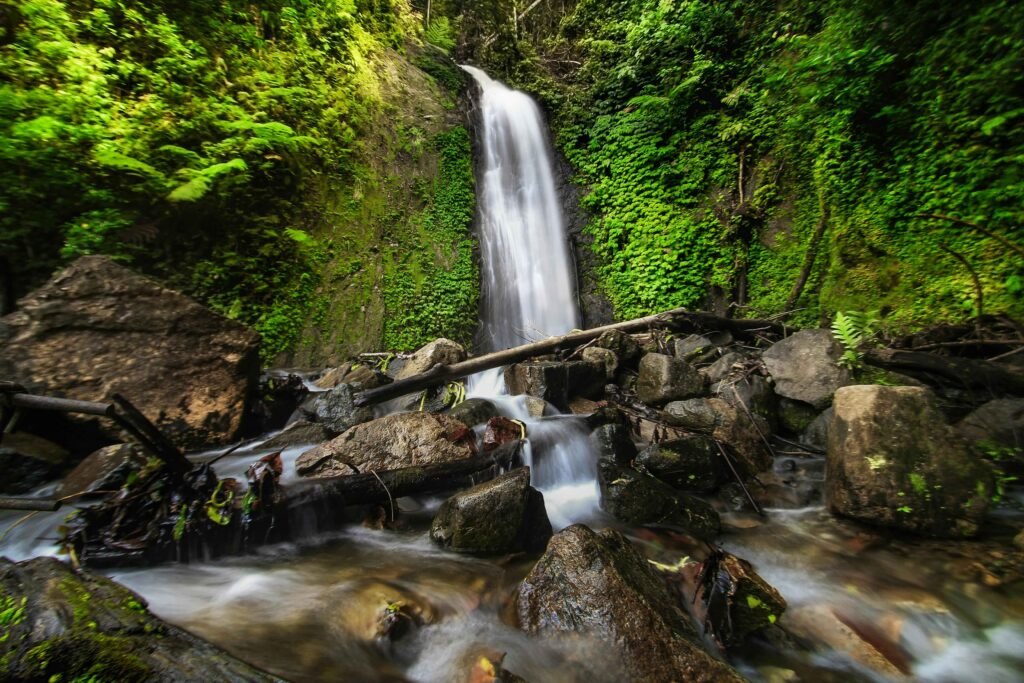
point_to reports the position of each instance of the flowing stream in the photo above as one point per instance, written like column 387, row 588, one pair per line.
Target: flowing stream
column 306, row 610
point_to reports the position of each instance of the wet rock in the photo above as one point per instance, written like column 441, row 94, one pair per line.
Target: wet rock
column 298, row 433
column 816, row 434
column 374, row 610
column 104, row 470
column 640, row 499
column 690, row 463
column 440, row 351
column 537, row 407
column 743, row 433
column 61, row 624
column 604, row 359
column 736, row 601
column 893, row 461
column 474, row 411
column 693, row 348
column 622, row 345
column 554, row 381
column 804, row 368
column 97, row 329
column 995, row 425
column 347, row 374
column 583, row 406
column 796, row 416
column 695, row 414
column 614, row 443
column 753, row 393
column 599, row 585
column 502, row 430
column 664, row 378
column 280, row 394
column 724, row 367
column 503, row 515
column 28, row 461
column 390, row 442
column 336, row 409
column 545, row 380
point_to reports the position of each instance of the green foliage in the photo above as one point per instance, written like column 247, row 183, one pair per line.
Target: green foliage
column 436, row 294
column 860, row 116
column 439, row 34
column 851, row 331
column 190, row 140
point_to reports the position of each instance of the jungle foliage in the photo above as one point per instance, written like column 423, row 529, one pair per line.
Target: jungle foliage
column 730, row 145
column 194, row 140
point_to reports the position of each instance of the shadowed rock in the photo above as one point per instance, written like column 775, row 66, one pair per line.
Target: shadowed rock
column 599, row 585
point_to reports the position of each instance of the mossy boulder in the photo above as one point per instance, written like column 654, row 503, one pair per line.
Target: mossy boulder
column 60, row 624
column 663, row 378
column 639, row 499
column 689, row 463
column 893, row 461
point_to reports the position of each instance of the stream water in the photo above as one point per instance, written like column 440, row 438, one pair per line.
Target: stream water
column 306, row 610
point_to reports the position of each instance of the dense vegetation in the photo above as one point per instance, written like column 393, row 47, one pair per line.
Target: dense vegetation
column 203, row 142
column 735, row 148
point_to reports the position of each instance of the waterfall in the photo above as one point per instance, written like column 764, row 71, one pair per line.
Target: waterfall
column 528, row 285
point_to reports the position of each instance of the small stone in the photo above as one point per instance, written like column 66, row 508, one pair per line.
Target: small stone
column 690, row 463
column 537, row 407
column 695, row 414
column 796, row 416
column 693, row 348
column 336, row 409
column 474, row 411
column 724, row 367
column 501, row 430
column 440, row 351
column 613, row 442
column 602, row 358
column 622, row 345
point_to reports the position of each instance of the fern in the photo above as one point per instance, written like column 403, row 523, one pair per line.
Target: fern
column 200, row 182
column 851, row 330
column 439, row 34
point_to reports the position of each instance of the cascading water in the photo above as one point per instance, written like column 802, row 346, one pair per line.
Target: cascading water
column 528, row 286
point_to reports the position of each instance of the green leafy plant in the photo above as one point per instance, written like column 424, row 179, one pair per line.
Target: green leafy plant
column 851, row 330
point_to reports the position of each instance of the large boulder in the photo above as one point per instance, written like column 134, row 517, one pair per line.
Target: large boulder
column 893, row 461
column 599, row 585
column 691, row 463
column 730, row 423
column 98, row 329
column 613, row 442
column 61, row 624
column 336, row 409
column 503, row 515
column 663, row 378
column 804, row 367
column 438, row 352
column 388, row 443
column 640, row 499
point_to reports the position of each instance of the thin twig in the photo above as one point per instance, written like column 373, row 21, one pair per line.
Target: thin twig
column 19, row 522
column 977, row 284
column 976, row 342
column 739, row 479
column 983, row 230
column 391, row 500
column 753, row 421
column 1007, row 354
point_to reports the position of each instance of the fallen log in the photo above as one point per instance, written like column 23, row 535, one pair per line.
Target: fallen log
column 966, row 373
column 677, row 319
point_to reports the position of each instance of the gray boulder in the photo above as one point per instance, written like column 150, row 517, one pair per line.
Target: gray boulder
column 689, row 463
column 724, row 367
column 664, row 378
column 503, row 515
column 694, row 414
column 336, row 409
column 640, row 499
column 98, row 329
column 474, row 411
column 440, row 351
column 622, row 345
column 390, row 442
column 893, row 461
column 554, row 381
column 804, row 367
column 599, row 585
column 693, row 348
